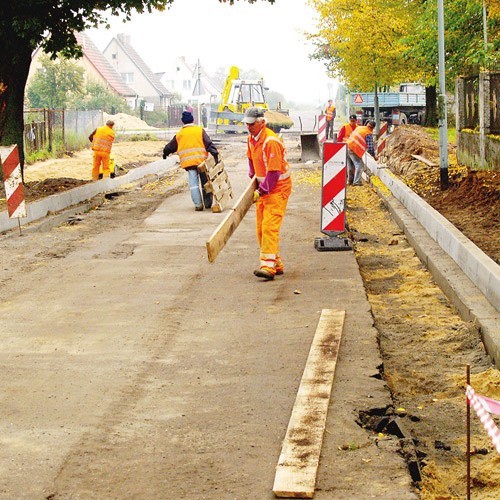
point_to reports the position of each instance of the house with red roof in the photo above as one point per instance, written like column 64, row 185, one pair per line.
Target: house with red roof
column 97, row 70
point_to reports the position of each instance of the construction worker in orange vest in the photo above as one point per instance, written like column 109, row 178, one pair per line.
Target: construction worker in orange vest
column 344, row 134
column 360, row 142
column 193, row 144
column 267, row 161
column 102, row 139
column 330, row 117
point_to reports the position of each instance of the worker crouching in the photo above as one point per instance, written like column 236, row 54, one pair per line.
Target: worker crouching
column 267, row 161
column 193, row 144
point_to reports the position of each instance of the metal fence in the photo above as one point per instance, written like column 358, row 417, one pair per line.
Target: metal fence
column 471, row 96
column 471, row 102
column 42, row 127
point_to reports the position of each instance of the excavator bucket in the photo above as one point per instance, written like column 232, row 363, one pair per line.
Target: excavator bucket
column 310, row 147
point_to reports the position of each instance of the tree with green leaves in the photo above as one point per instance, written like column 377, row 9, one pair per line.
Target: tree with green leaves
column 51, row 25
column 55, row 83
column 374, row 43
column 97, row 96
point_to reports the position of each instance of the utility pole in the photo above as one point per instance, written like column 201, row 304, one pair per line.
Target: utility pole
column 443, row 124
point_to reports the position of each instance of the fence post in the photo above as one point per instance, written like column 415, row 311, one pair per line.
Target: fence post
column 484, row 112
column 460, row 103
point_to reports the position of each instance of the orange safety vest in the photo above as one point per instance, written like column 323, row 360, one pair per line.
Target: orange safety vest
column 190, row 146
column 268, row 155
column 348, row 130
column 329, row 113
column 357, row 140
column 103, row 139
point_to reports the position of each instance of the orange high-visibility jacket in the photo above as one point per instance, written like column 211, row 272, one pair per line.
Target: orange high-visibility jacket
column 268, row 155
column 349, row 130
column 103, row 139
column 357, row 140
column 330, row 110
column 190, row 146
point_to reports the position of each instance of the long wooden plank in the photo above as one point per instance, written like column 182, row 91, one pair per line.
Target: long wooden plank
column 429, row 163
column 232, row 220
column 298, row 463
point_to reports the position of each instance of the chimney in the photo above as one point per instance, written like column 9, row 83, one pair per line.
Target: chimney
column 124, row 39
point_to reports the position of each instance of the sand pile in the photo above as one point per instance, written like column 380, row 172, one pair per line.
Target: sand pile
column 127, row 122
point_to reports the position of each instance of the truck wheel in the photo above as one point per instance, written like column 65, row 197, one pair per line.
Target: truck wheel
column 402, row 119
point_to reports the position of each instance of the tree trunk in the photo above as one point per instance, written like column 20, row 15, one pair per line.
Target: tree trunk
column 15, row 61
column 430, row 119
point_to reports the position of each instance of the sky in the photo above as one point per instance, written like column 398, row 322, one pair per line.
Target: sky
column 267, row 38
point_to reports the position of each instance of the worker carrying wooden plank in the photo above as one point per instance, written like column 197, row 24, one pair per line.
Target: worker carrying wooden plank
column 267, row 162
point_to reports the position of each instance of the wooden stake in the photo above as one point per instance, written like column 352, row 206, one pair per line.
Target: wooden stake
column 467, row 378
column 232, row 220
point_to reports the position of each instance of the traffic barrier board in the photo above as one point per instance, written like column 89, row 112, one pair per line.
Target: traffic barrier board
column 333, row 188
column 13, row 183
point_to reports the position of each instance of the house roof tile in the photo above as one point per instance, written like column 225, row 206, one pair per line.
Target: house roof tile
column 104, row 68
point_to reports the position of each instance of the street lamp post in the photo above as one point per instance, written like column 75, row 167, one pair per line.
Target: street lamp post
column 442, row 124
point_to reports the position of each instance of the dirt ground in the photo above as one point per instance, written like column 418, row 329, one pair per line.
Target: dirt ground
column 472, row 201
column 424, row 345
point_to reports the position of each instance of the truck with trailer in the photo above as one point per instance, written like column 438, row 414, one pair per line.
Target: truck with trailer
column 396, row 108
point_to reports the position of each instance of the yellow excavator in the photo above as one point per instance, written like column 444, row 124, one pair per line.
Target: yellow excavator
column 240, row 94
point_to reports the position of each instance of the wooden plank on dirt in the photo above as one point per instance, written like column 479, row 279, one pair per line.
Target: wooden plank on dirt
column 298, row 463
column 232, row 220
column 429, row 163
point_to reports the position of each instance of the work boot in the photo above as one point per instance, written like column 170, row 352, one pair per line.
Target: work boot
column 208, row 199
column 199, row 208
column 100, row 176
column 265, row 272
column 279, row 266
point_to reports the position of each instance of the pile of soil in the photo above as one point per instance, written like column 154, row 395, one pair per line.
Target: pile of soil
column 472, row 201
column 40, row 189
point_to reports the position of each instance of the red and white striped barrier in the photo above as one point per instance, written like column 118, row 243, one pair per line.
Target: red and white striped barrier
column 333, row 187
column 14, row 191
column 483, row 406
column 382, row 136
column 322, row 128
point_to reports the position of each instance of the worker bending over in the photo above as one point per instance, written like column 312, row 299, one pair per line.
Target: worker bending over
column 360, row 142
column 266, row 160
column 193, row 144
column 102, row 139
column 344, row 134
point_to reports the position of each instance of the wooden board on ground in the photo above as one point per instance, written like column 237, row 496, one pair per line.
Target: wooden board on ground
column 429, row 163
column 232, row 220
column 217, row 183
column 298, row 463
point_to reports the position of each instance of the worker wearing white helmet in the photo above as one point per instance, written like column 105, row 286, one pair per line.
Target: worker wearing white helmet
column 266, row 160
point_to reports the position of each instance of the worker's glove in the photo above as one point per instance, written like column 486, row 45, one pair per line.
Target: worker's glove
column 216, row 159
column 256, row 195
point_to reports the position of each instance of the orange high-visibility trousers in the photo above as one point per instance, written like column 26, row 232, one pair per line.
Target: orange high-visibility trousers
column 270, row 210
column 100, row 157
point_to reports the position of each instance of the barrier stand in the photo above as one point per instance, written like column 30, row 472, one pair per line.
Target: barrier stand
column 333, row 196
column 382, row 137
column 322, row 129
column 13, row 183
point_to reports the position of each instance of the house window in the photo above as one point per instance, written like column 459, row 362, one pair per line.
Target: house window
column 114, row 56
column 186, row 84
column 127, row 77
